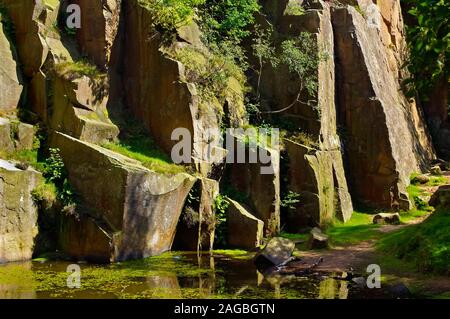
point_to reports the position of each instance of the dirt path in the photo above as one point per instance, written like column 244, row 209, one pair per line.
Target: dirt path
column 357, row 257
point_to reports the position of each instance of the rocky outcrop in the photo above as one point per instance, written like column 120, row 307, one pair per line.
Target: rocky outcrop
column 18, row 214
column 100, row 26
column 244, row 230
column 133, row 212
column 16, row 136
column 79, row 109
column 320, row 176
column 10, row 79
column 381, row 142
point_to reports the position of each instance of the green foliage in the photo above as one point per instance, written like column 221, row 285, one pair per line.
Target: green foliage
column 426, row 244
column 221, row 205
column 429, row 44
column 301, row 56
column 71, row 70
column 210, row 70
column 294, row 9
column 54, row 172
column 225, row 19
column 290, row 200
column 171, row 14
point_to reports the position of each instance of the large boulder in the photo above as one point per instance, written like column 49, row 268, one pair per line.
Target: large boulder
column 277, row 251
column 18, row 213
column 441, row 198
column 382, row 142
column 10, row 81
column 244, row 229
column 133, row 212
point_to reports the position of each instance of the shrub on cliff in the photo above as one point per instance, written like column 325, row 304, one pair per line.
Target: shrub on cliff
column 429, row 43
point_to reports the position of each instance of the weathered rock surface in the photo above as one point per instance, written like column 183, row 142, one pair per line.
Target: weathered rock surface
column 318, row 177
column 277, row 251
column 135, row 208
column 317, row 239
column 6, row 143
column 441, row 198
column 100, row 24
column 385, row 218
column 244, row 230
column 18, row 214
column 10, row 79
column 382, row 145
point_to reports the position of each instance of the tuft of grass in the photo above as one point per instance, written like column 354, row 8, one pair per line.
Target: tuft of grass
column 359, row 228
column 45, row 192
column 71, row 69
column 426, row 244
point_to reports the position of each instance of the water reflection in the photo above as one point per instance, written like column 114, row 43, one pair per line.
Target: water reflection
column 174, row 275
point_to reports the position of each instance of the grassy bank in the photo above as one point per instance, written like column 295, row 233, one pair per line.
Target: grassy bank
column 426, row 245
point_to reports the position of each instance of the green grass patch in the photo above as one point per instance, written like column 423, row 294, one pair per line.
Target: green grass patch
column 411, row 215
column 426, row 245
column 359, row 228
column 234, row 253
column 29, row 157
column 143, row 149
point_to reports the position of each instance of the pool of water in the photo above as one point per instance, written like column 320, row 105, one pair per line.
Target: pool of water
column 172, row 275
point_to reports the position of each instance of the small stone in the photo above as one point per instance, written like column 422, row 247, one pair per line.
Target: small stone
column 421, row 179
column 385, row 218
column 317, row 239
column 277, row 251
column 436, row 170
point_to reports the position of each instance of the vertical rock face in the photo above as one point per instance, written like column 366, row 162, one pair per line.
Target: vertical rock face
column 136, row 209
column 262, row 191
column 382, row 146
column 310, row 171
column 18, row 214
column 10, row 82
column 317, row 176
column 99, row 28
